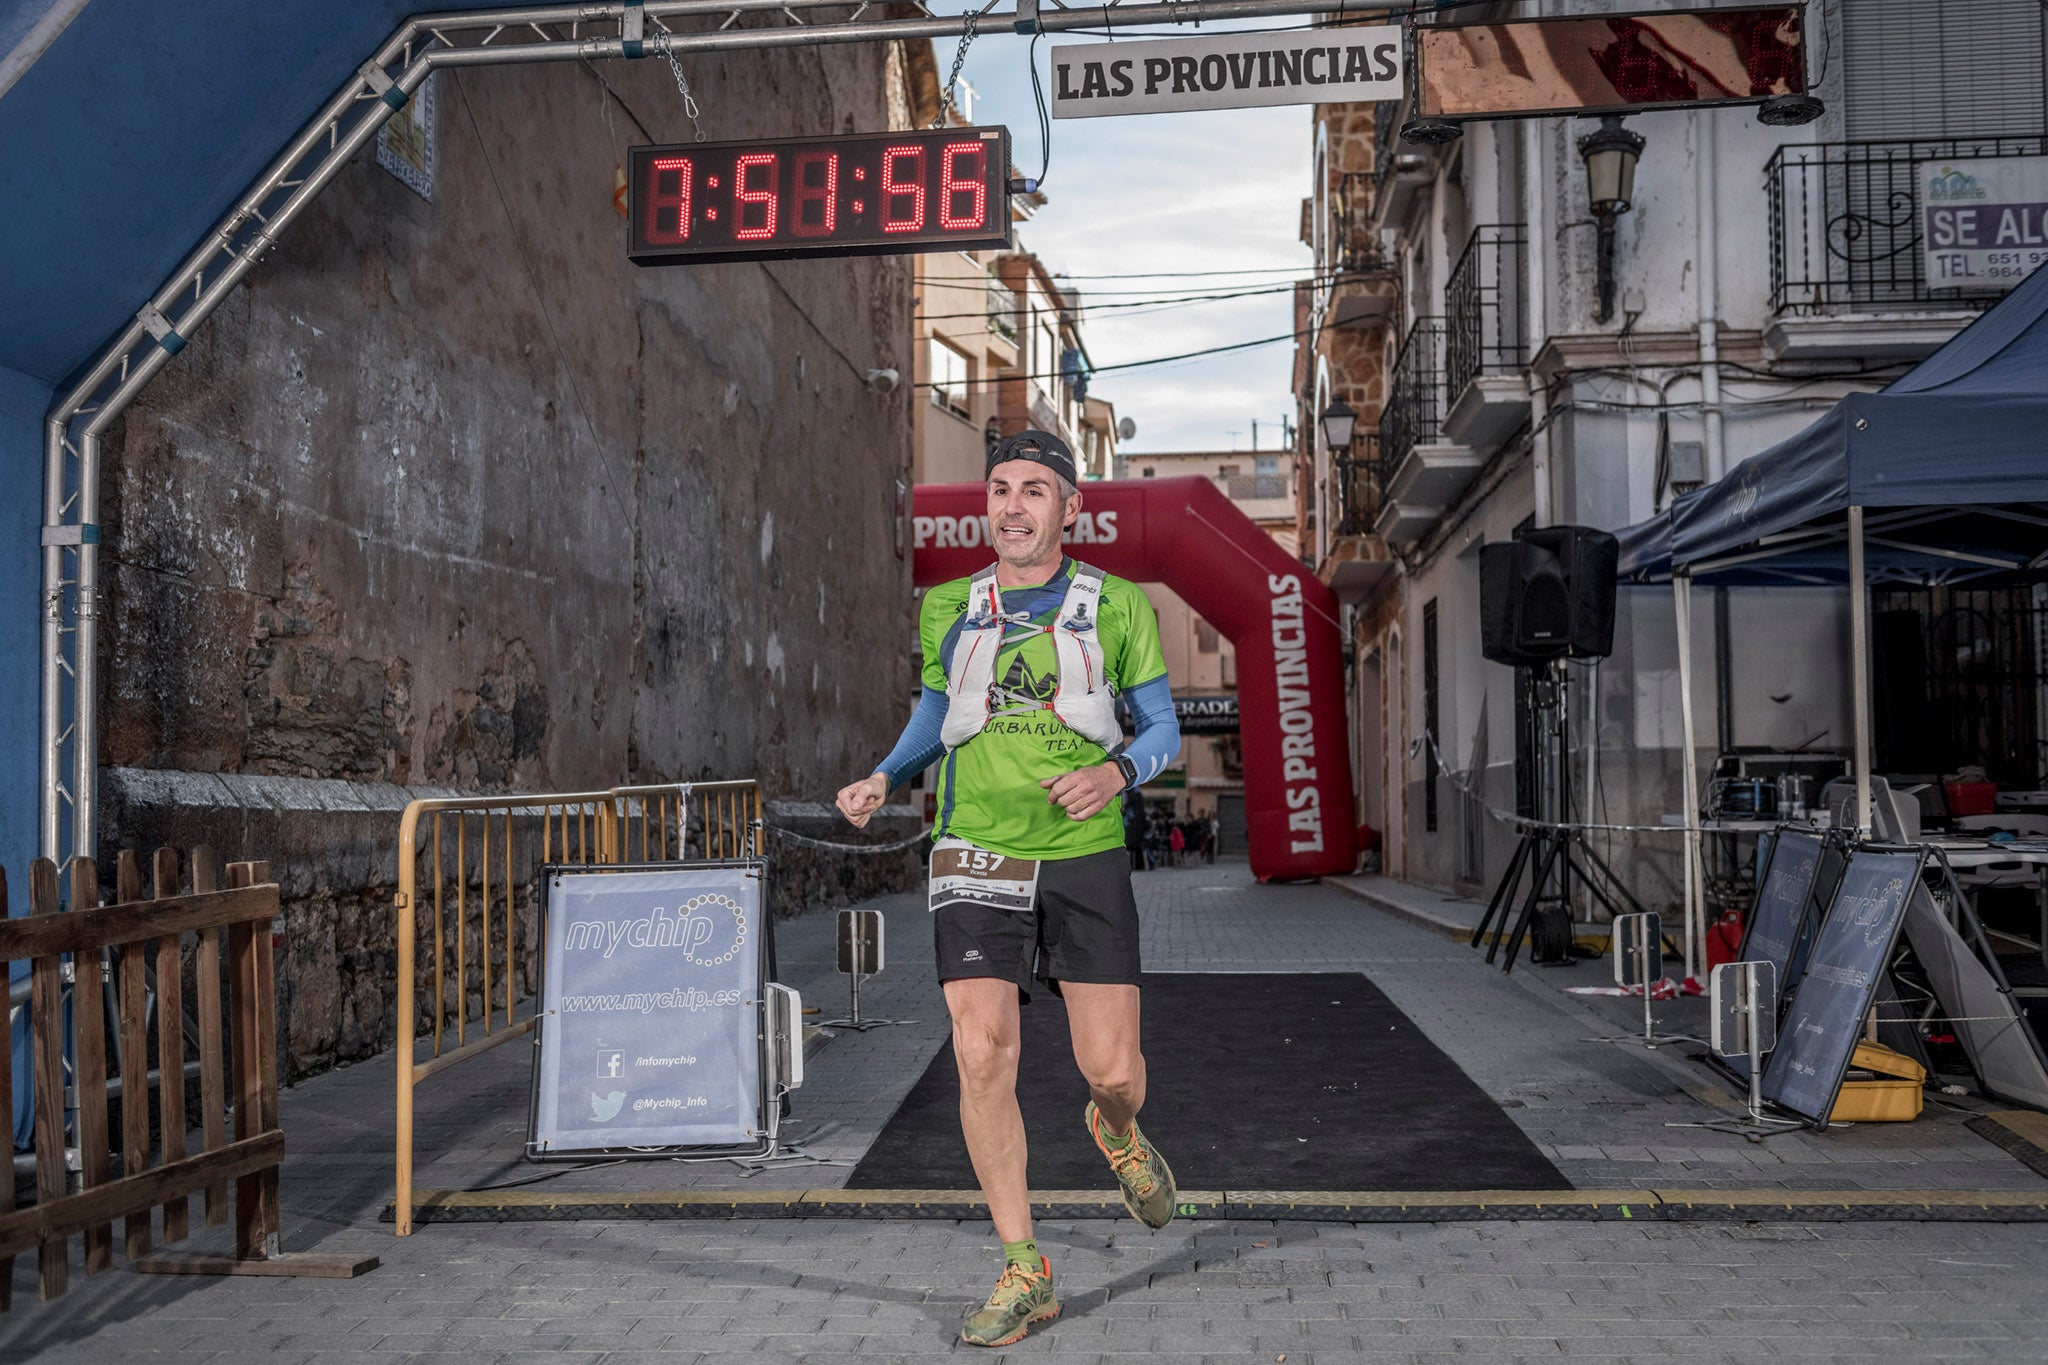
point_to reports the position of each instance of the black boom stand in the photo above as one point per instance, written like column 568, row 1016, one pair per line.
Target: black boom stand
column 1551, row 852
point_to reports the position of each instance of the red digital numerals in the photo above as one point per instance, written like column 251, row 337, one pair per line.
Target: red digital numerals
column 963, row 182
column 903, row 196
column 900, row 189
column 749, row 225
column 668, row 193
column 817, row 194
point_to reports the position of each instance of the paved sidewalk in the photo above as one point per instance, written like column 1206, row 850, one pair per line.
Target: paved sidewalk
column 624, row 1291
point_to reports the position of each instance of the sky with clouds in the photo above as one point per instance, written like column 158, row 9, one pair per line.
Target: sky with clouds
column 1170, row 193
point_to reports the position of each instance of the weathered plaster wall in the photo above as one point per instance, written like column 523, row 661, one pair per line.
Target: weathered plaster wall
column 451, row 494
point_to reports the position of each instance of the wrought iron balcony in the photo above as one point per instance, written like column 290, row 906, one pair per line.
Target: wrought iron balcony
column 1483, row 306
column 1414, row 410
column 1358, row 479
column 1845, row 224
column 1354, row 241
column 1002, row 309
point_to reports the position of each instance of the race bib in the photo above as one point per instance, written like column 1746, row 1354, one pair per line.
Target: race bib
column 965, row 875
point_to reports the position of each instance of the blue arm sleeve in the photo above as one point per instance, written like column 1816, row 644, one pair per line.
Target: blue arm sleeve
column 920, row 745
column 1158, row 738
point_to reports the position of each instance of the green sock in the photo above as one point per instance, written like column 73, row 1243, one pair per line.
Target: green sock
column 1024, row 1253
column 1116, row 1143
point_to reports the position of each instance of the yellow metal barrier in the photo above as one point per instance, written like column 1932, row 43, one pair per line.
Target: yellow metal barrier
column 485, row 881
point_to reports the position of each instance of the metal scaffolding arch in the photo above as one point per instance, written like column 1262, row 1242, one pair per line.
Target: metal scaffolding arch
column 380, row 87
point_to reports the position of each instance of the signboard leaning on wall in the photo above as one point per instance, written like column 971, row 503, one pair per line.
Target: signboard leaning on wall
column 1984, row 222
column 651, row 1026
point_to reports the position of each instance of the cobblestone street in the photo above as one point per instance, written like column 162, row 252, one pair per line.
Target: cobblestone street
column 628, row 1290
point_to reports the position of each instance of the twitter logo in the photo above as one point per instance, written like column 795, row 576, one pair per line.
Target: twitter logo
column 606, row 1108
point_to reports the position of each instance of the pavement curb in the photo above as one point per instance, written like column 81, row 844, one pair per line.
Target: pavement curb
column 1305, row 1206
column 1447, row 927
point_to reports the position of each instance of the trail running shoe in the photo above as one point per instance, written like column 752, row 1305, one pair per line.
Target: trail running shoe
column 1020, row 1299
column 1146, row 1178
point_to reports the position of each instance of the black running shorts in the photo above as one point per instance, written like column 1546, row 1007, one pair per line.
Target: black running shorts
column 1084, row 928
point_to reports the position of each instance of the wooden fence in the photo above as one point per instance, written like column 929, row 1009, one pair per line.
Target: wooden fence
column 136, row 948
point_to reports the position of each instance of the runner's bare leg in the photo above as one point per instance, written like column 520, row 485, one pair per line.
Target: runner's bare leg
column 986, row 1045
column 1104, row 1024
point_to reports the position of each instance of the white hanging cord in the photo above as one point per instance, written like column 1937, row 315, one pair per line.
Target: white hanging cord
column 1508, row 817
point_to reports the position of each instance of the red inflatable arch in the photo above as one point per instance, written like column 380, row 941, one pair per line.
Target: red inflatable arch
column 1281, row 619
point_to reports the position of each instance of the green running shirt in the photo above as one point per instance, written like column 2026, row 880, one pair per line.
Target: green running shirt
column 988, row 787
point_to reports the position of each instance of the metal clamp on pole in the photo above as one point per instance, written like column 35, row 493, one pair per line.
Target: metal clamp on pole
column 1639, row 964
column 1745, row 1004
column 860, row 956
column 1026, row 20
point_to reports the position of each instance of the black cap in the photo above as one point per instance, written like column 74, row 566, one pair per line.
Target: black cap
column 1040, row 446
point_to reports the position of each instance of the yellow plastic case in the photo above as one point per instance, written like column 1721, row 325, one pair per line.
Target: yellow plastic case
column 1895, row 1099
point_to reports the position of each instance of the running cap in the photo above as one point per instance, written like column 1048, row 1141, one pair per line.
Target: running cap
column 1042, row 447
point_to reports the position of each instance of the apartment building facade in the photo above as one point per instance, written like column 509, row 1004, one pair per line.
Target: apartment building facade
column 999, row 348
column 1757, row 276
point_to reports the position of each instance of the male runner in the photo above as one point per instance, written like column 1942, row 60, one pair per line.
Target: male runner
column 1029, row 877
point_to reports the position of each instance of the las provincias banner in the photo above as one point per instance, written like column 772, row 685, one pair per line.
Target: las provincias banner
column 1227, row 71
column 1281, row 619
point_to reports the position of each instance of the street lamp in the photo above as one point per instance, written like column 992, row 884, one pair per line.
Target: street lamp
column 1610, row 152
column 1338, row 423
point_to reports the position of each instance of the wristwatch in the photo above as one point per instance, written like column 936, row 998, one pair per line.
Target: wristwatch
column 1129, row 769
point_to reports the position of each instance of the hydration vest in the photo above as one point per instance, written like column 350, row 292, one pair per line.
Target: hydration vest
column 1082, row 699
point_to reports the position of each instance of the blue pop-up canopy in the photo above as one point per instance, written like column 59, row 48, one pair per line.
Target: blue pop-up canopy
column 1950, row 463
column 1940, row 476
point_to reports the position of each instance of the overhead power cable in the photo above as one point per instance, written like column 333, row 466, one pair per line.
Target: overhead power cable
column 1156, row 304
column 1132, row 364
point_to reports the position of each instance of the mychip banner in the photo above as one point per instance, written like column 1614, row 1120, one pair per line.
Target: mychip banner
column 1226, row 71
column 1984, row 222
column 651, row 1010
column 1847, row 967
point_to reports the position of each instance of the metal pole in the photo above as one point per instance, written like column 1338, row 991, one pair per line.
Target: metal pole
column 1859, row 667
column 1746, row 985
column 1681, row 587
column 1643, row 956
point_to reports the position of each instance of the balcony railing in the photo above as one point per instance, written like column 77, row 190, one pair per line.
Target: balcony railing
column 1359, row 478
column 1483, row 306
column 1257, row 487
column 1002, row 310
column 1354, row 242
column 1414, row 411
column 1846, row 225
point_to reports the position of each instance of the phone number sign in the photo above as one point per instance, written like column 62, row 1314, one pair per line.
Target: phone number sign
column 1984, row 222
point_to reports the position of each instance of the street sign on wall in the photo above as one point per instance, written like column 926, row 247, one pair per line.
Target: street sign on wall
column 1226, row 71
column 1610, row 63
column 1983, row 223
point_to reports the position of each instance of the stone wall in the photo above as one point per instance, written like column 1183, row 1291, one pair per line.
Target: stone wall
column 449, row 493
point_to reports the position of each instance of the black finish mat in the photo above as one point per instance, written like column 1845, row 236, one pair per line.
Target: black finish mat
column 1256, row 1081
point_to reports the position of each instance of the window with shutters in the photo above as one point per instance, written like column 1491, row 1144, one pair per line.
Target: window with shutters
column 1911, row 69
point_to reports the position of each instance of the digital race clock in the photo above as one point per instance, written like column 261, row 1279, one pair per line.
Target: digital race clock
column 869, row 194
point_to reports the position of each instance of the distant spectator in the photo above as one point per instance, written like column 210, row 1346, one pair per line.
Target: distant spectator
column 1178, row 842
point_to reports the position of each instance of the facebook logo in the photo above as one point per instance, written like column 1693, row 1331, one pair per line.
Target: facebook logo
column 610, row 1063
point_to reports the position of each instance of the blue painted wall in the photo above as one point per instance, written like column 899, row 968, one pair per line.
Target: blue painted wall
column 23, row 401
